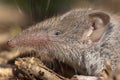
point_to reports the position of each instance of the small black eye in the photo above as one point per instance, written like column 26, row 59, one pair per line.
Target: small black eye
column 58, row 32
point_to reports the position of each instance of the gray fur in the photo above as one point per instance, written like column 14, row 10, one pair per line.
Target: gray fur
column 87, row 59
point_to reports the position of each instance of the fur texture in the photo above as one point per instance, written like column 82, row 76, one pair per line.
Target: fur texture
column 61, row 38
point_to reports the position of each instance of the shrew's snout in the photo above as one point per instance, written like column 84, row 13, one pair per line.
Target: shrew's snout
column 11, row 43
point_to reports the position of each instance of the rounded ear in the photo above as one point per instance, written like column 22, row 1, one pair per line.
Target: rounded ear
column 100, row 15
column 100, row 21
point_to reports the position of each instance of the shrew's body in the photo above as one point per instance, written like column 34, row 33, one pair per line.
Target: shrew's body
column 81, row 38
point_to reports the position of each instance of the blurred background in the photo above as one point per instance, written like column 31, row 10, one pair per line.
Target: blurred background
column 17, row 15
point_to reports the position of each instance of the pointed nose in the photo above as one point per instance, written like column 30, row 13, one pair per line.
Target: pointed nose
column 11, row 43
